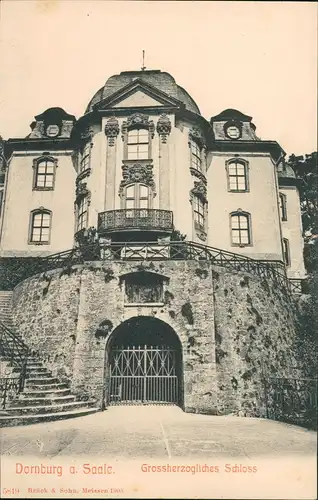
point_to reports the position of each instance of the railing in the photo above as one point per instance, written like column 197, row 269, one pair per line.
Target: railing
column 22, row 268
column 139, row 218
column 15, row 351
column 298, row 285
column 292, row 400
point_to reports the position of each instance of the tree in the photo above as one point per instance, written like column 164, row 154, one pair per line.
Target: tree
column 305, row 168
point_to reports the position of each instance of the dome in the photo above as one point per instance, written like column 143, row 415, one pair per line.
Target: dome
column 285, row 171
column 161, row 80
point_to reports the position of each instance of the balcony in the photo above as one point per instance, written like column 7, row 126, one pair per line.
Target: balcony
column 138, row 219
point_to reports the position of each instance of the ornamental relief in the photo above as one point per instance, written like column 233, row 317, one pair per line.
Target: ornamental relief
column 81, row 191
column 199, row 190
column 197, row 173
column 164, row 127
column 196, row 135
column 112, row 130
column 141, row 173
column 137, row 119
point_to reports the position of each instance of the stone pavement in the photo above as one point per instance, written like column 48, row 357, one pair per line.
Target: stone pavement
column 158, row 432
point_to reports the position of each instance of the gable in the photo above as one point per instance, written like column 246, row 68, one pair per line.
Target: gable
column 137, row 99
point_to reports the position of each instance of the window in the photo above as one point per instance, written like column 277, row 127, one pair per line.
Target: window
column 138, row 144
column 237, row 175
column 44, row 174
column 137, row 196
column 198, row 210
column 143, row 288
column 82, row 213
column 196, row 161
column 240, row 229
column 40, row 226
column 286, row 252
column 283, row 206
column 86, row 156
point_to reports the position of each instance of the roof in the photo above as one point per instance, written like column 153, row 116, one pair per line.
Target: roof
column 161, row 80
column 285, row 171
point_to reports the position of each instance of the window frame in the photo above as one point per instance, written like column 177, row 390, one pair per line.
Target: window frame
column 83, row 200
column 199, row 212
column 85, row 161
column 137, row 196
column 239, row 230
column 36, row 164
column 134, row 128
column 286, row 252
column 39, row 211
column 283, row 207
column 196, row 155
column 245, row 164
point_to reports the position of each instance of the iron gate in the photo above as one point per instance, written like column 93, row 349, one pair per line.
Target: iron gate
column 141, row 375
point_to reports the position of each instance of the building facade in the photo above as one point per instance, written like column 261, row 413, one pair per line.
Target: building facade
column 181, row 219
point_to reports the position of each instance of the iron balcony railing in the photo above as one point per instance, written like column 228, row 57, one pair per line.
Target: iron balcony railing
column 137, row 218
column 17, row 269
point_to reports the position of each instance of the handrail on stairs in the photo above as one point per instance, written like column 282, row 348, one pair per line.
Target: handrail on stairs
column 14, row 350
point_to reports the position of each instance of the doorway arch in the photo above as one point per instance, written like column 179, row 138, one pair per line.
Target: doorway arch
column 144, row 363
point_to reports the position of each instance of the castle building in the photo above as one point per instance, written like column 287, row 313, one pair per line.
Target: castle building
column 149, row 252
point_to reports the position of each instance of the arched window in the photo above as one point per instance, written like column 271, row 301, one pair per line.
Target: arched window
column 82, row 212
column 283, row 206
column 85, row 157
column 40, row 226
column 137, row 196
column 240, row 228
column 237, row 174
column 138, row 144
column 286, row 251
column 44, row 173
column 196, row 161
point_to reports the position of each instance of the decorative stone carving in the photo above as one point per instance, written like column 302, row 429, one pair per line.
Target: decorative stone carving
column 87, row 133
column 197, row 173
column 196, row 135
column 112, row 130
column 137, row 119
column 201, row 235
column 164, row 127
column 37, row 130
column 66, row 129
column 199, row 190
column 137, row 173
column 81, row 191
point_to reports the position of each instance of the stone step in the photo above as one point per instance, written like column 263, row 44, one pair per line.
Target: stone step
column 41, row 380
column 14, row 420
column 41, row 401
column 40, row 375
column 27, row 393
column 43, row 409
column 40, row 387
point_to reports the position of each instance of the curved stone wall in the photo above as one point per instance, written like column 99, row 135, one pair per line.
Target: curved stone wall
column 229, row 324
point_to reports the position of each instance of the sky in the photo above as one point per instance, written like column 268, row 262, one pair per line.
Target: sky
column 257, row 57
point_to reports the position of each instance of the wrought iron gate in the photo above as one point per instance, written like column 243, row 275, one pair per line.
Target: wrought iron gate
column 141, row 375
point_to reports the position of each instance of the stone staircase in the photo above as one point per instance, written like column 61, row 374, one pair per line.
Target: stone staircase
column 44, row 397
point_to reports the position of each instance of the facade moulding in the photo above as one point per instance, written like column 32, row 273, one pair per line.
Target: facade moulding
column 137, row 173
column 164, row 127
column 112, row 130
column 137, row 120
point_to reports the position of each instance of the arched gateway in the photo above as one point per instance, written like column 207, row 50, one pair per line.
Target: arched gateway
column 144, row 363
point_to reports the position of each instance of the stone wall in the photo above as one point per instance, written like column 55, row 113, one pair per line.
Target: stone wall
column 231, row 328
column 255, row 337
